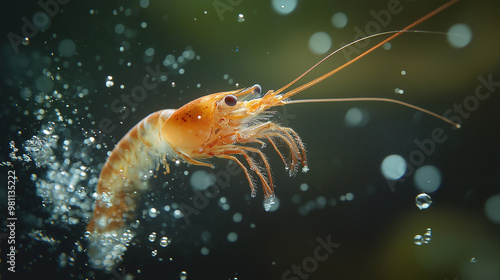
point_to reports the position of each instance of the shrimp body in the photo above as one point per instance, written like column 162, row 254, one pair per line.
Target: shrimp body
column 122, row 178
column 233, row 125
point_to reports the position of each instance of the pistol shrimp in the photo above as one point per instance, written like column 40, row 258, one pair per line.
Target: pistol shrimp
column 223, row 125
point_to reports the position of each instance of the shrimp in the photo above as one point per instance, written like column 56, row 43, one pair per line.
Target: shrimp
column 229, row 125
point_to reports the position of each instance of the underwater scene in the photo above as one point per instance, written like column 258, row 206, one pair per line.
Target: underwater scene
column 237, row 139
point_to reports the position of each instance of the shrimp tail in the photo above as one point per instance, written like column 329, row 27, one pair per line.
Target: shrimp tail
column 123, row 177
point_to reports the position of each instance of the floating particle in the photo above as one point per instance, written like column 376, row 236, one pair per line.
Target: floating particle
column 232, row 237
column 459, row 35
column 237, row 217
column 204, row 251
column 149, row 51
column 349, row 196
column 109, row 81
column 44, row 84
column 144, row 3
column 427, row 178
column 153, row 212
column 393, row 167
column 67, row 48
column 473, row 260
column 284, row 7
column 356, row 117
column 41, row 20
column 119, row 28
column 492, row 208
column 320, row 42
column 339, row 20
column 241, row 18
column 423, row 201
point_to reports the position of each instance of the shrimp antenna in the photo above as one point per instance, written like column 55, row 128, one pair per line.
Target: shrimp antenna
column 332, row 72
column 327, row 75
column 375, row 99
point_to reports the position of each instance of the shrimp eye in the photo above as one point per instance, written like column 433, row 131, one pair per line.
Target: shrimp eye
column 257, row 89
column 230, row 100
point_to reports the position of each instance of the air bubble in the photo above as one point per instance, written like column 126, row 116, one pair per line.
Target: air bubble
column 241, row 18
column 153, row 212
column 418, row 239
column 423, row 201
column 164, row 241
column 152, row 237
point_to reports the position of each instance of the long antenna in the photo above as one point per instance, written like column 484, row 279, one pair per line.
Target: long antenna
column 324, row 76
column 374, row 99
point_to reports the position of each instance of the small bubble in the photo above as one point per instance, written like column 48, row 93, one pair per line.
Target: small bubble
column 423, row 201
column 403, row 72
column 428, row 236
column 473, row 260
column 399, row 91
column 418, row 239
column 164, row 241
column 241, row 18
column 153, row 212
column 183, row 275
column 152, row 237
column 154, row 253
column 173, row 84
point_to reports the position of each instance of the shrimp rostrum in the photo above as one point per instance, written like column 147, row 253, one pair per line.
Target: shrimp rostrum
column 232, row 125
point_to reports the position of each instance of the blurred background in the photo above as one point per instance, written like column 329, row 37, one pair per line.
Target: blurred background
column 68, row 68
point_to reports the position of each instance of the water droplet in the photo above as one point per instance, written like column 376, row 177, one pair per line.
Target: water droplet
column 418, row 239
column 152, row 237
column 268, row 202
column 423, row 201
